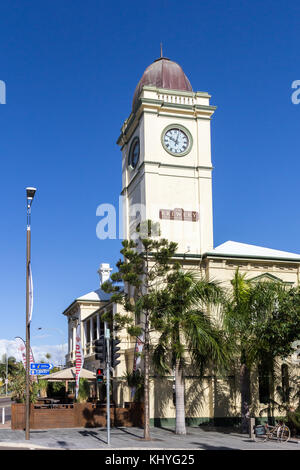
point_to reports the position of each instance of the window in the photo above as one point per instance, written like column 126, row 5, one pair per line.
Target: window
column 94, row 320
column 264, row 388
column 88, row 332
column 285, row 383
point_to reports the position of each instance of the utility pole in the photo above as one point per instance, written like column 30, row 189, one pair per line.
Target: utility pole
column 107, row 338
column 6, row 374
column 30, row 195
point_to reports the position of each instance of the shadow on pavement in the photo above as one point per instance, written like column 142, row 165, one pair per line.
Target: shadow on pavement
column 210, row 447
column 172, row 431
column 130, row 433
column 219, row 429
column 92, row 434
column 62, row 443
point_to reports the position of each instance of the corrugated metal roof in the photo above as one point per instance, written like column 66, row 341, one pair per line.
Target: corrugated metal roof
column 69, row 374
column 243, row 249
column 95, row 295
column 162, row 73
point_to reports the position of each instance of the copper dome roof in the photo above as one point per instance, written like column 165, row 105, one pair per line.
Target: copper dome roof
column 162, row 73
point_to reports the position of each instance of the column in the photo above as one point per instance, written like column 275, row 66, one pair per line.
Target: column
column 70, row 345
column 84, row 340
column 98, row 325
column 74, row 343
column 91, row 335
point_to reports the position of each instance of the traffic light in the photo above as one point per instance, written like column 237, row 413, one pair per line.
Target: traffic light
column 100, row 349
column 114, row 352
column 99, row 376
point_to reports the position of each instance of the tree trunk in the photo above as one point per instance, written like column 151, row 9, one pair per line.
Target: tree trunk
column 146, row 384
column 179, row 393
column 245, row 396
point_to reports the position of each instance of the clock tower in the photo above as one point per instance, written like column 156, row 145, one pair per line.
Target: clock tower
column 166, row 159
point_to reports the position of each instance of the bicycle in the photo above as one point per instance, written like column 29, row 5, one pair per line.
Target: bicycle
column 280, row 432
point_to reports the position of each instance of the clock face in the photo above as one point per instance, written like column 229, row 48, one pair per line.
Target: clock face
column 176, row 141
column 134, row 153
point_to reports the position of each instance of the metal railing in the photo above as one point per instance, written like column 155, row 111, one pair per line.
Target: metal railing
column 53, row 405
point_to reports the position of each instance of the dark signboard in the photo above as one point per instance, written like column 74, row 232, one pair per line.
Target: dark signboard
column 178, row 214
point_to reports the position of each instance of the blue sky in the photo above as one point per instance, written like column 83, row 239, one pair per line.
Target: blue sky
column 70, row 70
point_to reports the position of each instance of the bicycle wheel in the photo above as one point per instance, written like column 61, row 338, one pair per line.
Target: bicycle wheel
column 285, row 434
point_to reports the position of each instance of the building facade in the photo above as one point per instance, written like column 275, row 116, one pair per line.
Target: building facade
column 167, row 178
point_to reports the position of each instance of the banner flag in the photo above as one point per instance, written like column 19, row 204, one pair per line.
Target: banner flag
column 79, row 359
column 137, row 352
column 22, row 350
column 30, row 292
column 137, row 357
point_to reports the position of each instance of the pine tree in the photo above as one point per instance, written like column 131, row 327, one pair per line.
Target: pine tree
column 142, row 272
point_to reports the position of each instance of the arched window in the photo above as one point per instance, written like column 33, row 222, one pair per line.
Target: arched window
column 264, row 388
column 285, row 383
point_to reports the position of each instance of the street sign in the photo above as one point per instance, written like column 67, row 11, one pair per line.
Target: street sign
column 39, row 372
column 41, row 365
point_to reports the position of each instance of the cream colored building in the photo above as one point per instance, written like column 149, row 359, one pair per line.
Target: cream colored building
column 167, row 178
column 87, row 311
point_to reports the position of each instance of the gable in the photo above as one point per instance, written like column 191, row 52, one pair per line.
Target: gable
column 269, row 277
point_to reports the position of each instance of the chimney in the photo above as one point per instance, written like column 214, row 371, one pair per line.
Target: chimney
column 104, row 272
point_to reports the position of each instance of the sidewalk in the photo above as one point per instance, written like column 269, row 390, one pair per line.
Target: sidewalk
column 132, row 438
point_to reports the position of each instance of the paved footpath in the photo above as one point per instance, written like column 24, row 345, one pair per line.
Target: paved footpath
column 131, row 438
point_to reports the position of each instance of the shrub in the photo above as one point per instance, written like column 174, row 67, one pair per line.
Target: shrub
column 293, row 421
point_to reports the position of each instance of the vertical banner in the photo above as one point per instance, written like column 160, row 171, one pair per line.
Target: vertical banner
column 78, row 359
column 137, row 357
column 137, row 352
column 22, row 351
column 30, row 292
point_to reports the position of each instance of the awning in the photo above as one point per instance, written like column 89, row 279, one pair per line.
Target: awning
column 69, row 374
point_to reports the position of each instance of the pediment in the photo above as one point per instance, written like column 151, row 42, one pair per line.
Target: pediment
column 269, row 277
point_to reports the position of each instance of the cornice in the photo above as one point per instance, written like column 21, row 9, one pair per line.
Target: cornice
column 159, row 106
column 138, row 170
column 83, row 302
column 250, row 257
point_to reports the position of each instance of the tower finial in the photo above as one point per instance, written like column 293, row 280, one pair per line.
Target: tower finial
column 161, row 50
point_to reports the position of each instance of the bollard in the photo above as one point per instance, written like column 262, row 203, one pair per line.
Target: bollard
column 3, row 415
column 251, row 427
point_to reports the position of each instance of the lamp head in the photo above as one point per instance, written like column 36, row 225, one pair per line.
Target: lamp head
column 30, row 193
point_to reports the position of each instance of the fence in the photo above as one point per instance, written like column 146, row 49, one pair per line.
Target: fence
column 76, row 415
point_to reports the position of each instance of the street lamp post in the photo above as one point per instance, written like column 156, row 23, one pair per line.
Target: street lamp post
column 6, row 374
column 30, row 192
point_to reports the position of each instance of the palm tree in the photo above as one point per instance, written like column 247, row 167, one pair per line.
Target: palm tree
column 8, row 365
column 237, row 321
column 187, row 331
column 264, row 320
column 135, row 380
